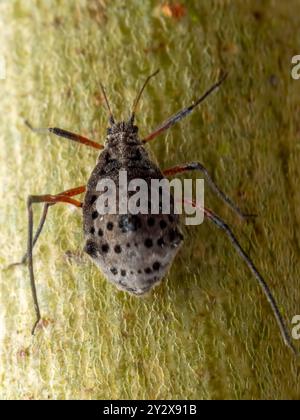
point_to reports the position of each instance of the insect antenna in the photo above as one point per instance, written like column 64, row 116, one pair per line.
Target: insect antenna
column 111, row 117
column 137, row 99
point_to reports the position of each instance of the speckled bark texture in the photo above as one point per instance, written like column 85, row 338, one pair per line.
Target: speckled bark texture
column 207, row 331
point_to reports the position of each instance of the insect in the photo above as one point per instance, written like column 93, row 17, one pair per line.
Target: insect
column 134, row 251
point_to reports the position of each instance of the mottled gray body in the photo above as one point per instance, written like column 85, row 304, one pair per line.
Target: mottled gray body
column 133, row 251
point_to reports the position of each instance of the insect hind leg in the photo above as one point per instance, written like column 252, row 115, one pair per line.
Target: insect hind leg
column 36, row 236
column 48, row 200
column 261, row 281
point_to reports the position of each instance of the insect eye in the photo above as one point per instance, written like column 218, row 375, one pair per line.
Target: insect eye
column 135, row 129
column 108, row 131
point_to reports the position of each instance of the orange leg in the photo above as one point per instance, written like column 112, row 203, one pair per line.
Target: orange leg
column 68, row 193
column 197, row 166
column 67, row 135
column 49, row 200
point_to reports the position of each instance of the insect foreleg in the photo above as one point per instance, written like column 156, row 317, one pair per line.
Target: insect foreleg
column 67, row 135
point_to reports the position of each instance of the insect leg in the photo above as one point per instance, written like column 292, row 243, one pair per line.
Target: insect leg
column 36, row 236
column 72, row 192
column 182, row 113
column 65, row 197
column 197, row 166
column 264, row 286
column 66, row 134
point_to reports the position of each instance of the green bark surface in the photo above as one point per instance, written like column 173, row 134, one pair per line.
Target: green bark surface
column 207, row 331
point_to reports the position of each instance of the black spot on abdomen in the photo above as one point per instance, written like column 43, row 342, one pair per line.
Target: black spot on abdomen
column 91, row 248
